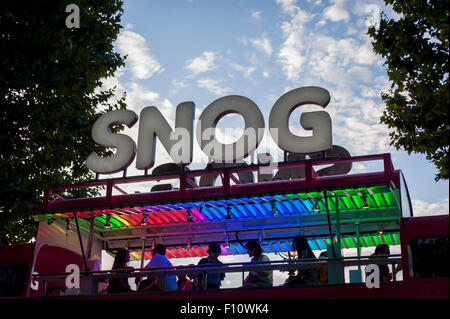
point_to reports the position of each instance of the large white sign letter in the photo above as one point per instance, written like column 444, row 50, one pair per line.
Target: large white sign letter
column 319, row 122
column 153, row 124
column 247, row 143
column 101, row 134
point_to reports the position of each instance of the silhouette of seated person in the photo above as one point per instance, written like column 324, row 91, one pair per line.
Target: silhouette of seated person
column 257, row 278
column 303, row 276
column 159, row 260
column 214, row 280
column 120, row 285
column 383, row 251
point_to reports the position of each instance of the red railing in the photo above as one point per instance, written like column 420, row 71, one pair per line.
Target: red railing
column 185, row 192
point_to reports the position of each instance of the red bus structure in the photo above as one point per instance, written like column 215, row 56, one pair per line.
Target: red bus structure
column 232, row 205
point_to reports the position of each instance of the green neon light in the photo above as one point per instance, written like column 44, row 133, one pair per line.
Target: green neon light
column 388, row 239
column 113, row 222
column 370, row 240
column 348, row 241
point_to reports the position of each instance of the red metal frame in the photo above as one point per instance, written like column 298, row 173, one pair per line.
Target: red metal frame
column 311, row 181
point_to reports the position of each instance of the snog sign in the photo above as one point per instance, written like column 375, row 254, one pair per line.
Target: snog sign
column 179, row 141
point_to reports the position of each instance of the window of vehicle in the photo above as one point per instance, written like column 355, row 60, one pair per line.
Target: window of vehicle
column 428, row 257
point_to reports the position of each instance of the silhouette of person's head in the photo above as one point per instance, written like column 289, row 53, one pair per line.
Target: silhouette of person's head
column 253, row 248
column 300, row 243
column 159, row 249
column 382, row 250
column 214, row 249
column 122, row 258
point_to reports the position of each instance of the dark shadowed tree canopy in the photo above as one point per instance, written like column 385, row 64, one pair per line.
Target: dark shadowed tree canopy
column 50, row 78
column 416, row 49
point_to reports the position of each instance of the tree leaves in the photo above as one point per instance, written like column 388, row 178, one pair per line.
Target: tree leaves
column 416, row 50
column 48, row 80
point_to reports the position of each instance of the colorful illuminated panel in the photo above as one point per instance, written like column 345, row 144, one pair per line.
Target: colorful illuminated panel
column 311, row 203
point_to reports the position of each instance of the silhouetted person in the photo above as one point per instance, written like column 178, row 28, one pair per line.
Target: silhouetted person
column 214, row 280
column 120, row 285
column 159, row 260
column 304, row 252
column 257, row 278
column 383, row 251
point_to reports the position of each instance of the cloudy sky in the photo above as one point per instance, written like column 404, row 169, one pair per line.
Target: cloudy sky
column 201, row 50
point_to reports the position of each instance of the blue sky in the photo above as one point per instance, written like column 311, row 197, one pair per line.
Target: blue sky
column 201, row 50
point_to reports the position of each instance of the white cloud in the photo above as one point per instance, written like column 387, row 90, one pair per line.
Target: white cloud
column 142, row 64
column 336, row 12
column 321, row 23
column 365, row 55
column 179, row 84
column 138, row 98
column 246, row 70
column 203, row 63
column 334, row 61
column 262, row 44
column 290, row 54
column 288, row 6
column 213, row 86
column 355, row 107
column 422, row 208
column 265, row 74
column 256, row 15
column 360, row 137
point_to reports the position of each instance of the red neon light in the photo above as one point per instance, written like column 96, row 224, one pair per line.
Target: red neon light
column 175, row 253
column 131, row 217
column 184, row 253
column 152, row 216
column 138, row 215
column 172, row 214
column 163, row 217
column 170, row 255
column 83, row 214
column 199, row 251
column 180, row 215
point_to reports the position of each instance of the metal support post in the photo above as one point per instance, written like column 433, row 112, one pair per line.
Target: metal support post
column 329, row 225
column 91, row 239
column 81, row 243
column 143, row 253
column 358, row 246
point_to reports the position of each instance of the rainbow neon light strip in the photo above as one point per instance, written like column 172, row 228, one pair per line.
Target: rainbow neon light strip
column 380, row 199
column 349, row 200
